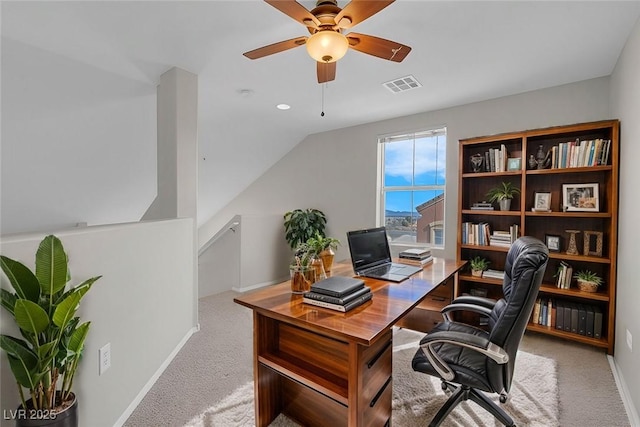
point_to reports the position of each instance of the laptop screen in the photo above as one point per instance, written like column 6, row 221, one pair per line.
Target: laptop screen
column 368, row 248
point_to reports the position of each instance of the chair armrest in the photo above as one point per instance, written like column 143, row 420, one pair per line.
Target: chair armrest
column 461, row 339
column 470, row 299
column 479, row 305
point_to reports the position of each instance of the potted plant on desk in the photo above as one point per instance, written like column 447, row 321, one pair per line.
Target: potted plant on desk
column 306, row 269
column 324, row 248
column 302, row 224
column 45, row 360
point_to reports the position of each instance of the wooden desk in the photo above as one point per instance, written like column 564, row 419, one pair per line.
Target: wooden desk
column 326, row 368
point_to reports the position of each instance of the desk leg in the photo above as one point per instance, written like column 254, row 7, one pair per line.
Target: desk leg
column 266, row 381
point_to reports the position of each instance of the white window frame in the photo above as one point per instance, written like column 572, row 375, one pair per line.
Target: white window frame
column 382, row 190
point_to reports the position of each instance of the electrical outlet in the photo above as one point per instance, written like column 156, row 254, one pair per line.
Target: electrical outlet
column 104, row 358
column 629, row 341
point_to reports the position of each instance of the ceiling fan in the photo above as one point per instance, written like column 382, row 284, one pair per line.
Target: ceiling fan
column 327, row 44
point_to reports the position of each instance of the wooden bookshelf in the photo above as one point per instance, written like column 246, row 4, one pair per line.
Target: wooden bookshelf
column 473, row 186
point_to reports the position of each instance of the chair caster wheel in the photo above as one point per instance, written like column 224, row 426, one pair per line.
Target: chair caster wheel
column 443, row 385
column 503, row 398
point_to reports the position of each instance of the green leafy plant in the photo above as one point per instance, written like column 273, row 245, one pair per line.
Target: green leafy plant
column 321, row 243
column 478, row 263
column 506, row 190
column 304, row 255
column 52, row 336
column 302, row 224
column 588, row 276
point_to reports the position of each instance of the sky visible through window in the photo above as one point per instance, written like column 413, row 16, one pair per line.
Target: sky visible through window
column 400, row 170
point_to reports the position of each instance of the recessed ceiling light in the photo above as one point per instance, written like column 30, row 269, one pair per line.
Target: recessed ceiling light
column 283, row 106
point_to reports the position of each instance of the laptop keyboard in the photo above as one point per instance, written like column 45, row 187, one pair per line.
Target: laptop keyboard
column 379, row 271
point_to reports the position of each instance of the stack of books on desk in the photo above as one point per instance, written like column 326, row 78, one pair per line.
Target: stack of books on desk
column 417, row 256
column 338, row 293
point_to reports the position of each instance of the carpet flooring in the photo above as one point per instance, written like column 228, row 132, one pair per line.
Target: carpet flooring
column 217, row 361
column 416, row 398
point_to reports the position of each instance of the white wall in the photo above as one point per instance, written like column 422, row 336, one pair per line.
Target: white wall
column 143, row 305
column 336, row 171
column 625, row 104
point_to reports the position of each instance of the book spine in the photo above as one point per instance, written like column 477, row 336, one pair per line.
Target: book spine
column 339, row 307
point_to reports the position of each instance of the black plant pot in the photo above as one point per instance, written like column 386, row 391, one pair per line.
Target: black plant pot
column 44, row 418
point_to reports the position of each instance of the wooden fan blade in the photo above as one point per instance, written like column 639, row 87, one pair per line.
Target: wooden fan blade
column 359, row 10
column 382, row 48
column 296, row 11
column 275, row 48
column 326, row 71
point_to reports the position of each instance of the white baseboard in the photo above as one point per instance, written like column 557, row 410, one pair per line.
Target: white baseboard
column 632, row 413
column 258, row 285
column 127, row 413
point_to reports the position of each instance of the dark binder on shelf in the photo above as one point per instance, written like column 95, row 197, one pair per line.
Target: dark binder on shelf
column 590, row 321
column 335, row 300
column 582, row 320
column 559, row 315
column 597, row 322
column 574, row 318
column 566, row 321
column 337, row 286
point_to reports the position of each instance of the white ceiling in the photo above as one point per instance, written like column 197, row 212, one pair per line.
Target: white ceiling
column 463, row 52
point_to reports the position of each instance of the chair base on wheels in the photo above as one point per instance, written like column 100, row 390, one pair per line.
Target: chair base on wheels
column 462, row 393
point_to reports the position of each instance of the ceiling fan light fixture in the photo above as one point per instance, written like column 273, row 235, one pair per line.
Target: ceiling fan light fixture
column 327, row 46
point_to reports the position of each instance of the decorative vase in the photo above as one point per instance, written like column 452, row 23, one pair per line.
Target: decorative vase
column 318, row 265
column 476, row 162
column 327, row 256
column 302, row 277
column 67, row 417
column 505, row 204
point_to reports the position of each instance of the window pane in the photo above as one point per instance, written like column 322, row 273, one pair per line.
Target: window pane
column 430, row 160
column 413, row 216
column 398, row 163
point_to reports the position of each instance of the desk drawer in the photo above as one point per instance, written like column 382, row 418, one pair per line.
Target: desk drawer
column 444, row 290
column 378, row 413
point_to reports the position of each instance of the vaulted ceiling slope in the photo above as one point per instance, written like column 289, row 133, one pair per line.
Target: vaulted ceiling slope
column 79, row 81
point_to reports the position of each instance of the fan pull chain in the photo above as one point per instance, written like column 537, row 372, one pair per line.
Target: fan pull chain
column 322, row 112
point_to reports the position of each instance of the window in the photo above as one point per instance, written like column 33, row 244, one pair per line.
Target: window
column 412, row 183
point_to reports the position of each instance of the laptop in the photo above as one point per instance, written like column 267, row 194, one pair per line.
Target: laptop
column 371, row 257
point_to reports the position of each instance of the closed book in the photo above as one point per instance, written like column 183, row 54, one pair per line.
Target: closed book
column 582, row 320
column 566, row 320
column 559, row 315
column 597, row 322
column 335, row 300
column 415, row 253
column 590, row 321
column 337, row 286
column 419, row 263
column 339, row 307
column 574, row 318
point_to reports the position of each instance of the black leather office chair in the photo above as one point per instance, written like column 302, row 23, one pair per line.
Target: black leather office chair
column 470, row 360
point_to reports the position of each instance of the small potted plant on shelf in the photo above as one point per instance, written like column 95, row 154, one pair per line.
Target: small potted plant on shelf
column 588, row 281
column 478, row 265
column 45, row 360
column 324, row 247
column 503, row 195
column 302, row 224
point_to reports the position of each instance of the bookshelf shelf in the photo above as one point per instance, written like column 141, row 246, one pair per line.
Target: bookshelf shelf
column 600, row 150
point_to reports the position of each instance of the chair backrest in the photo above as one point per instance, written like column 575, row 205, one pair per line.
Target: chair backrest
column 523, row 272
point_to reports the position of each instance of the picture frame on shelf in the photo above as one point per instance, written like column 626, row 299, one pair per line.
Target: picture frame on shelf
column 553, row 242
column 580, row 197
column 513, row 164
column 542, row 202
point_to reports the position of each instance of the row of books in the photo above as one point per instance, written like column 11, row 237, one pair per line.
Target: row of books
column 564, row 275
column 416, row 256
column 581, row 319
column 493, row 274
column 495, row 159
column 338, row 293
column 575, row 154
column 481, row 234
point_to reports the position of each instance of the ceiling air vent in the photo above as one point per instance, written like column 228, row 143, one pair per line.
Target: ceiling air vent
column 402, row 84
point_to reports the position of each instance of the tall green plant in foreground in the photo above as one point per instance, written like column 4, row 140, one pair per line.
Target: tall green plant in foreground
column 52, row 336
